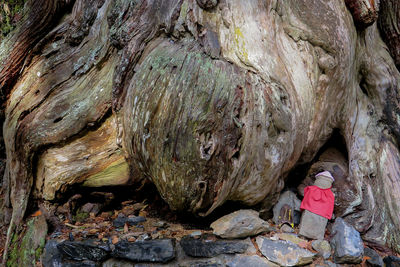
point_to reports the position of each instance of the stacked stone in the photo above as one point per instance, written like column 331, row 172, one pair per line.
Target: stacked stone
column 313, row 225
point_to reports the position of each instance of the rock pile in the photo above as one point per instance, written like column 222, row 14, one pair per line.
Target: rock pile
column 238, row 239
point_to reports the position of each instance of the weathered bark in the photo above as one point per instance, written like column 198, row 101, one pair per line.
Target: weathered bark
column 389, row 24
column 40, row 17
column 209, row 100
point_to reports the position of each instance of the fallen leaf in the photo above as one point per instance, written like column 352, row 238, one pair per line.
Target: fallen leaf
column 364, row 261
column 142, row 211
column 126, row 229
column 37, row 213
column 93, row 231
column 114, row 239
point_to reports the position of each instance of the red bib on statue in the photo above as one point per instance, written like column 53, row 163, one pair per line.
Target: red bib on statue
column 318, row 201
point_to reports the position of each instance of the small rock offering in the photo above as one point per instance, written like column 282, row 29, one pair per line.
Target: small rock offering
column 287, row 229
column 286, row 208
column 239, row 224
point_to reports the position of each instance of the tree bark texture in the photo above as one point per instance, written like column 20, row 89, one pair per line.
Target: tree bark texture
column 209, row 100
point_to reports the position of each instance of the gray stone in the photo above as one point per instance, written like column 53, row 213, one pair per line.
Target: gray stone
column 287, row 229
column 51, row 256
column 284, row 253
column 160, row 224
column 346, row 242
column 143, row 237
column 131, row 220
column 312, row 225
column 330, row 264
column 84, row 250
column 374, row 259
column 291, row 238
column 323, row 248
column 392, row 261
column 249, row 261
column 196, row 234
column 203, row 263
column 85, row 263
column 204, row 248
column 285, row 208
column 117, row 263
column 160, row 250
column 239, row 224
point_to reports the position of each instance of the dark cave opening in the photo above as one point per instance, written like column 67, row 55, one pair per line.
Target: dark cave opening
column 156, row 207
column 299, row 172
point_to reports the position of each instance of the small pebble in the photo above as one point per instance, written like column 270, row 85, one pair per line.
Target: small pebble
column 160, row 224
column 287, row 229
column 196, row 234
column 114, row 240
column 144, row 237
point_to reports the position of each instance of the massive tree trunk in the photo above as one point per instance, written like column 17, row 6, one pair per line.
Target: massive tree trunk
column 209, row 100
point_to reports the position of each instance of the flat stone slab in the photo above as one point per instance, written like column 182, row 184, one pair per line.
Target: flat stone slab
column 201, row 248
column 85, row 263
column 346, row 242
column 51, row 255
column 159, row 250
column 239, row 224
column 203, row 263
column 117, row 263
column 130, row 220
column 292, row 238
column 249, row 261
column 284, row 253
column 84, row 250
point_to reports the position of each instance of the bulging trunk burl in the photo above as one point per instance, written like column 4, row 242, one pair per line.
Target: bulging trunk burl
column 209, row 100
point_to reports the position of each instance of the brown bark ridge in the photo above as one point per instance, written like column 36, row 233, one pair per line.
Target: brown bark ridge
column 39, row 18
column 389, row 24
column 212, row 101
column 364, row 12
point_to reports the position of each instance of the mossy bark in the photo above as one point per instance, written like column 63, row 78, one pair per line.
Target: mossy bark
column 27, row 246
